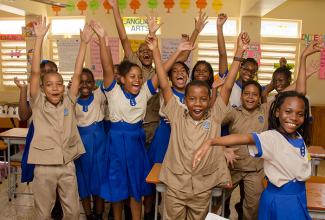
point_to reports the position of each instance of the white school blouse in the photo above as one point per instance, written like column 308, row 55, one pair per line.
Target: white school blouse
column 90, row 110
column 285, row 158
column 127, row 107
column 178, row 96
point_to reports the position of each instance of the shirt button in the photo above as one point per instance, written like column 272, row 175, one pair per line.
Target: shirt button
column 294, row 180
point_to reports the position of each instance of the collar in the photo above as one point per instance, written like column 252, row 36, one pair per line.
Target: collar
column 187, row 116
column 85, row 103
column 130, row 96
column 179, row 95
column 238, row 84
column 49, row 104
column 297, row 143
column 244, row 111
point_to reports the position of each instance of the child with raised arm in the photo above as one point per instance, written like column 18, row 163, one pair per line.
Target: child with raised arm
column 188, row 193
column 288, row 137
column 56, row 142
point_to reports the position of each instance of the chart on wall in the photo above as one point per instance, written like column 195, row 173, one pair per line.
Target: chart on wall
column 253, row 51
column 68, row 51
column 95, row 63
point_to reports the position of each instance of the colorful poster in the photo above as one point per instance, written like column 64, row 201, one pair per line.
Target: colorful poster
column 168, row 47
column 95, row 63
column 135, row 44
column 137, row 25
column 253, row 51
column 68, row 50
column 322, row 64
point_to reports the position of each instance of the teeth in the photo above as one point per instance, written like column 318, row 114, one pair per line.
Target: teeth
column 292, row 125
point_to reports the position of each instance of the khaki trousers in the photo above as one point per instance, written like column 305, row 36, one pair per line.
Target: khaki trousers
column 150, row 129
column 48, row 178
column 180, row 205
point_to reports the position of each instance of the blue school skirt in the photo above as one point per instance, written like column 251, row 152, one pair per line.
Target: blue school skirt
column 90, row 166
column 27, row 170
column 107, row 126
column 126, row 163
column 287, row 202
column 159, row 144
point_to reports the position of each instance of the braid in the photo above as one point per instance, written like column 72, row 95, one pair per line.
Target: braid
column 274, row 121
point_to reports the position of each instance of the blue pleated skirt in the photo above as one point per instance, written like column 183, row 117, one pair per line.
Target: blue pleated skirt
column 27, row 170
column 126, row 163
column 287, row 202
column 90, row 166
column 107, row 126
column 159, row 144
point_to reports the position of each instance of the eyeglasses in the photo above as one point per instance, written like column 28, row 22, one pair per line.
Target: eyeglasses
column 247, row 70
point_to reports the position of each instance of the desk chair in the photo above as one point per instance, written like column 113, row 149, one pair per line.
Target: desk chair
column 3, row 147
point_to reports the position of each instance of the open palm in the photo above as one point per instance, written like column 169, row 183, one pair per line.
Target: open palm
column 40, row 27
column 152, row 23
column 86, row 33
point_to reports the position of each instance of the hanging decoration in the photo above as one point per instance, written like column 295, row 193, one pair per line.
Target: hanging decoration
column 28, row 30
column 135, row 4
column 15, row 53
column 93, row 5
column 56, row 9
column 201, row 4
column 184, row 4
column 107, row 6
column 122, row 5
column 12, row 37
column 30, row 55
column 71, row 7
column 169, row 4
column 217, row 5
column 82, row 5
column 152, row 4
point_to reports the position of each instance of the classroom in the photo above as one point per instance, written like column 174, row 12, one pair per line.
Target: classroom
column 141, row 158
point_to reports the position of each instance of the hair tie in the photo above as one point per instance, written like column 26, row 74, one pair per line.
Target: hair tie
column 44, row 61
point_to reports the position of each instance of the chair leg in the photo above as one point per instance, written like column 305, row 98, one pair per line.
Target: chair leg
column 5, row 157
column 14, row 179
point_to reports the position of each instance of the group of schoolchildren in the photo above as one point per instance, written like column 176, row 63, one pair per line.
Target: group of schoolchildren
column 101, row 143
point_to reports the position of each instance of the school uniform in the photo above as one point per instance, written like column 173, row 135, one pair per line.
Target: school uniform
column 250, row 169
column 56, row 143
column 126, row 161
column 107, row 121
column 189, row 191
column 152, row 118
column 287, row 167
column 89, row 166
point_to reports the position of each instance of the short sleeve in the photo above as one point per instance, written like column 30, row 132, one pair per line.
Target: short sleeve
column 72, row 98
column 111, row 90
column 220, row 109
column 173, row 110
column 134, row 59
column 149, row 89
column 263, row 88
column 222, row 74
column 229, row 117
column 36, row 99
column 99, row 95
column 265, row 143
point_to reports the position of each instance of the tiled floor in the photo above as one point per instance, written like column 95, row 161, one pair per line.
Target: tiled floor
column 22, row 207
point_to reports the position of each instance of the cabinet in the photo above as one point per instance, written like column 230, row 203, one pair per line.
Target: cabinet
column 317, row 126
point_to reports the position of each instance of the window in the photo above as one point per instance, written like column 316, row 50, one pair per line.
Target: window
column 229, row 28
column 135, row 25
column 66, row 26
column 11, row 26
column 280, row 28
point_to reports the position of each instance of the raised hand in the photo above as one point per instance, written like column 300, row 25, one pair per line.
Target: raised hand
column 152, row 23
column 113, row 3
column 222, row 18
column 283, row 62
column 185, row 38
column 186, row 46
column 19, row 84
column 243, row 41
column 87, row 33
column 200, row 22
column 312, row 48
column 231, row 156
column 199, row 154
column 99, row 30
column 152, row 41
column 40, row 27
column 312, row 68
column 217, row 84
column 264, row 96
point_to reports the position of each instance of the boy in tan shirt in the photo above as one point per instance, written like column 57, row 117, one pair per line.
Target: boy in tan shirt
column 188, row 192
column 56, row 142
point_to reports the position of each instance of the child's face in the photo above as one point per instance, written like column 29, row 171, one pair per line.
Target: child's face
column 291, row 115
column 116, row 75
column 197, row 101
column 53, row 87
column 250, row 97
column 248, row 71
column 280, row 81
column 133, row 80
column 47, row 67
column 145, row 54
column 86, row 85
column 179, row 76
column 201, row 72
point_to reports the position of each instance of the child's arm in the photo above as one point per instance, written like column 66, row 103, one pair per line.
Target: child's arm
column 229, row 140
column 120, row 28
column 242, row 43
column 104, row 56
column 24, row 110
column 199, row 26
column 223, row 62
column 283, row 62
column 85, row 36
column 216, row 84
column 40, row 29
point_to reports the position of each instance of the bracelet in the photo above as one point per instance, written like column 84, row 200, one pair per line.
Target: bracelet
column 238, row 59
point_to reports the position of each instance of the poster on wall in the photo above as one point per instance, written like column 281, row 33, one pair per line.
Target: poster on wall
column 95, row 63
column 68, row 51
column 253, row 51
column 322, row 64
column 168, row 47
column 135, row 44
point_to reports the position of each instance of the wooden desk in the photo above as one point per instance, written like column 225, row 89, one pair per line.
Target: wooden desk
column 161, row 187
column 317, row 154
column 13, row 136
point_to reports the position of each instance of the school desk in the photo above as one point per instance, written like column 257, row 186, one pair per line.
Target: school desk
column 315, row 192
column 161, row 187
column 13, row 136
column 317, row 154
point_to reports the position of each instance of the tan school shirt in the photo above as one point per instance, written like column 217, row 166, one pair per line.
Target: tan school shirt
column 153, row 104
column 240, row 121
column 56, row 138
column 186, row 137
